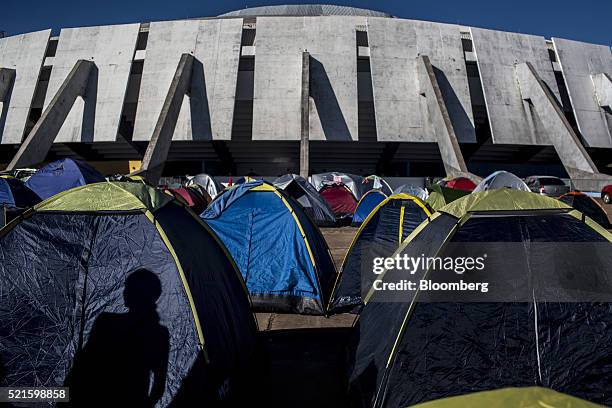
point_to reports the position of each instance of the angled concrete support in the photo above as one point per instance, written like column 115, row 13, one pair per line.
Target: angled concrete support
column 36, row 146
column 159, row 146
column 7, row 76
column 305, row 117
column 442, row 125
column 603, row 89
column 573, row 155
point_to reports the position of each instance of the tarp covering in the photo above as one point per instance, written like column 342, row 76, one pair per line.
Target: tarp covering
column 115, row 300
column 501, row 179
column 421, row 349
column 368, row 202
column 412, row 190
column 204, row 182
column 380, row 235
column 279, row 251
column 341, row 201
column 527, row 397
column 587, row 206
column 353, row 182
column 14, row 193
column 62, row 175
column 308, row 197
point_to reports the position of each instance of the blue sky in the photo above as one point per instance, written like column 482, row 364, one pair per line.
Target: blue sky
column 585, row 20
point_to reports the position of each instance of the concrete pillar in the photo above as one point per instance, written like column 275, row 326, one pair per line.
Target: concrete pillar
column 305, row 117
column 603, row 89
column 440, row 120
column 159, row 145
column 36, row 146
column 7, row 76
column 573, row 155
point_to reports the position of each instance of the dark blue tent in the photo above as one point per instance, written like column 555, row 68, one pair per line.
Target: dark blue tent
column 118, row 285
column 280, row 252
column 15, row 194
column 366, row 205
column 62, row 175
column 14, row 198
column 391, row 221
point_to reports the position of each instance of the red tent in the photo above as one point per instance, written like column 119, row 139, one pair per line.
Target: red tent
column 461, row 183
column 340, row 199
column 194, row 199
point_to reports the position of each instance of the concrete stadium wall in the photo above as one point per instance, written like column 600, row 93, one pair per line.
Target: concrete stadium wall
column 579, row 61
column 331, row 42
column 25, row 54
column 401, row 113
column 208, row 112
column 356, row 89
column 111, row 48
column 511, row 118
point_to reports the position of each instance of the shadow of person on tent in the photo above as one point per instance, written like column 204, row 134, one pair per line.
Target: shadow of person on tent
column 125, row 360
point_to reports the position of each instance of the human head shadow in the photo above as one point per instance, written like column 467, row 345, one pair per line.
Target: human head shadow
column 125, row 358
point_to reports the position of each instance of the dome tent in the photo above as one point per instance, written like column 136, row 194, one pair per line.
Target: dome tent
column 14, row 198
column 374, row 182
column 587, row 206
column 458, row 183
column 62, row 175
column 281, row 254
column 412, row 190
column 205, row 183
column 368, row 202
column 387, row 225
column 80, row 322
column 309, row 198
column 352, row 182
column 191, row 197
column 501, row 179
column 440, row 196
column 511, row 397
column 425, row 345
column 341, row 200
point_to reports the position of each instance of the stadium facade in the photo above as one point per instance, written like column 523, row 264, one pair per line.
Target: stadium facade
column 307, row 89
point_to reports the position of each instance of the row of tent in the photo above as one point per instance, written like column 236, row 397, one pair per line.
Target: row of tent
column 255, row 248
column 293, row 272
column 107, row 253
column 546, row 320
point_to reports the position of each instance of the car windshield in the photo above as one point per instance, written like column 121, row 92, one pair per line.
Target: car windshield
column 551, row 181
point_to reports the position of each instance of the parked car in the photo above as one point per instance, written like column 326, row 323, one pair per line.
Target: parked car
column 547, row 185
column 606, row 194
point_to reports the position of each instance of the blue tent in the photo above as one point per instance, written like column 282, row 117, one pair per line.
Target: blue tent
column 367, row 203
column 281, row 254
column 62, row 175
